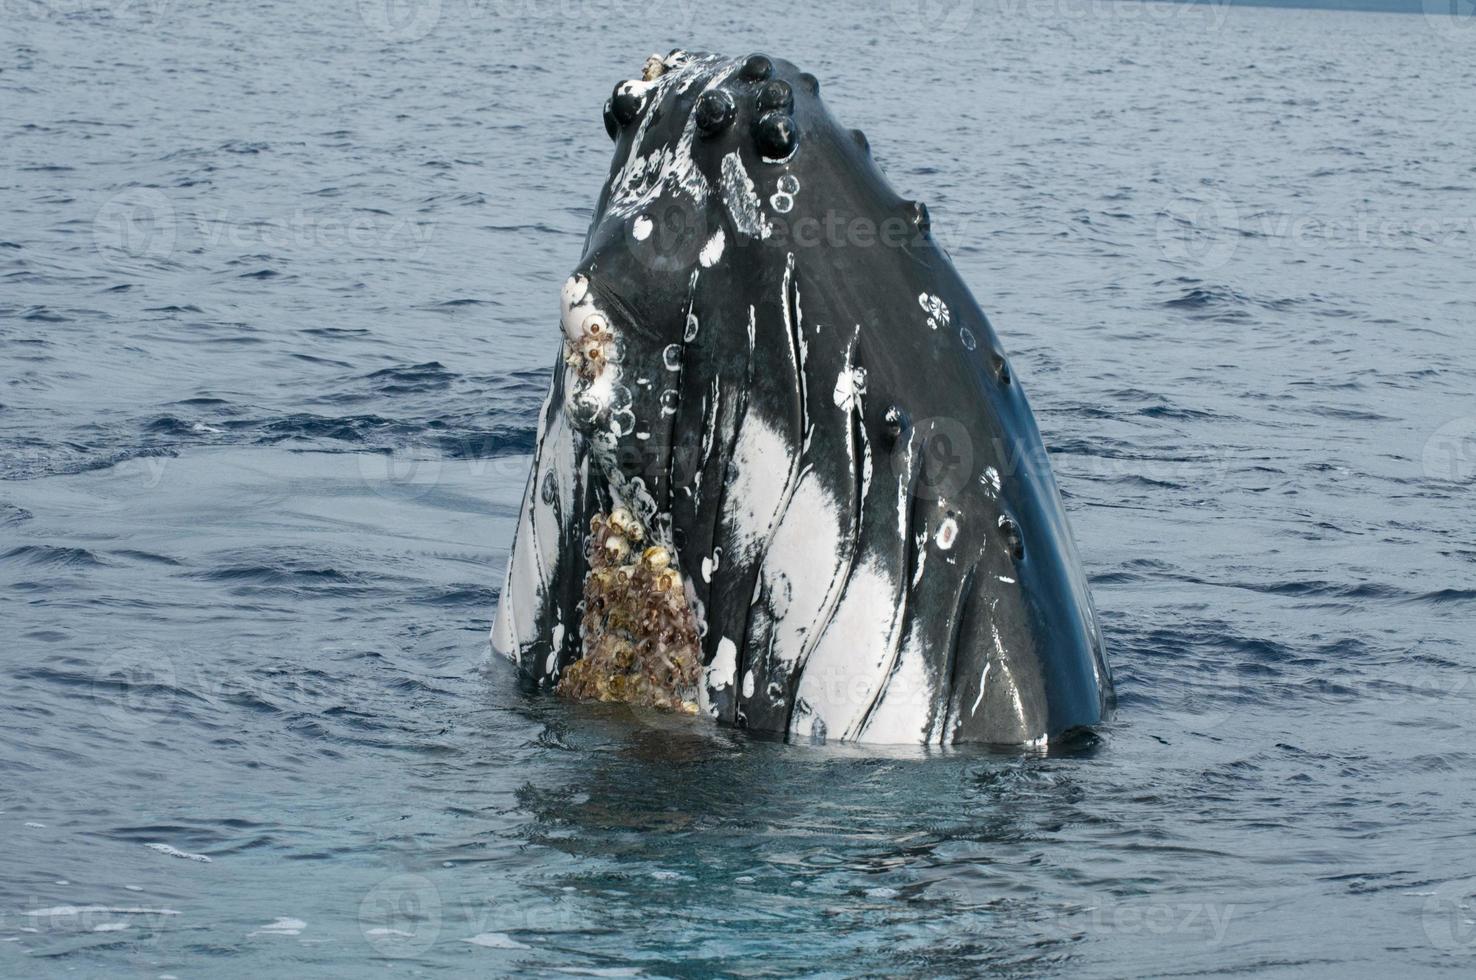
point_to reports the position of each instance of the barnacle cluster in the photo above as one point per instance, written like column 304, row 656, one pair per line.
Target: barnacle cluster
column 594, row 348
column 655, row 67
column 639, row 633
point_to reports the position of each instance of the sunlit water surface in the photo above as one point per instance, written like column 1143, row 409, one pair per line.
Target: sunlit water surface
column 277, row 306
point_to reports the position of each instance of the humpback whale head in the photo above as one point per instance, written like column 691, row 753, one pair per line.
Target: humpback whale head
column 785, row 476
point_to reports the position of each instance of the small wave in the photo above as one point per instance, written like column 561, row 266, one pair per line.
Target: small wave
column 11, row 515
column 1444, row 596
column 414, row 378
column 47, row 555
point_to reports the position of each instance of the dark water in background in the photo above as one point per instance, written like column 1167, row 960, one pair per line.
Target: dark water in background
column 277, row 302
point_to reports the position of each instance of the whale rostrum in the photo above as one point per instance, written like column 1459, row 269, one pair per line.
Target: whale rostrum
column 784, row 476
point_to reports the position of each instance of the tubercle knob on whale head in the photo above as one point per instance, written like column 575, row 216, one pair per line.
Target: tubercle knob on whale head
column 715, row 112
column 756, row 68
column 775, row 135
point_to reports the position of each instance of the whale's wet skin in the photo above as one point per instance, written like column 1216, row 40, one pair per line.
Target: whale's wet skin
column 784, row 444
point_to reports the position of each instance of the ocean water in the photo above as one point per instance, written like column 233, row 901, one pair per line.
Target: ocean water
column 277, row 307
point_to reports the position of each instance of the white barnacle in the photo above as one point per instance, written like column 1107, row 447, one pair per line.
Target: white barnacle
column 617, row 547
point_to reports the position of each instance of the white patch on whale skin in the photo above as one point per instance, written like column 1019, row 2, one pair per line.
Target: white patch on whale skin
column 550, row 666
column 555, row 466
column 936, row 310
column 989, row 661
column 983, row 683
column 848, row 665
column 758, row 484
column 575, row 304
column 641, row 228
column 712, row 251
column 748, row 684
column 504, row 630
column 922, row 556
column 813, row 547
column 805, row 567
column 902, row 710
column 718, row 676
column 741, row 199
column 516, row 623
column 526, row 583
column 850, row 385
column 990, row 479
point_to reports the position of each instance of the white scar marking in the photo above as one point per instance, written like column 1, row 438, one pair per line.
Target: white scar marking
column 935, row 308
column 947, row 534
column 712, row 251
column 850, row 385
column 719, row 674
column 742, row 200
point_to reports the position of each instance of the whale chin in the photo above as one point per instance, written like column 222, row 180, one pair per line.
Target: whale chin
column 785, row 477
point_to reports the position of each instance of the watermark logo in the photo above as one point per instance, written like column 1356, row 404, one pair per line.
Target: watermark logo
column 1452, row 19
column 139, row 222
column 133, row 689
column 401, row 916
column 411, row 471
column 936, row 19
column 1450, row 454
column 1199, row 233
column 1214, row 697
column 673, row 236
column 71, row 8
column 332, row 229
column 400, row 20
column 945, row 458
column 1449, row 917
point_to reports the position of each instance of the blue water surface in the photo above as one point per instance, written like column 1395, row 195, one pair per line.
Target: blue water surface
column 277, row 308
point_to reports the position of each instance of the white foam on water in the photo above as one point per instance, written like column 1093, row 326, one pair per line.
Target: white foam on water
column 495, row 940
column 281, row 927
column 176, row 852
column 61, row 911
